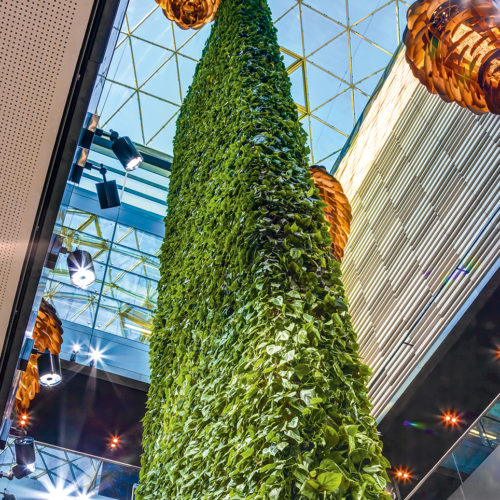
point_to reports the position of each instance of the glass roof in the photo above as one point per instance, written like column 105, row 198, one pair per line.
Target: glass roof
column 111, row 319
column 335, row 52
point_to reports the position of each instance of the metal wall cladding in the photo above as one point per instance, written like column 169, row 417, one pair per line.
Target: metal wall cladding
column 425, row 229
column 41, row 42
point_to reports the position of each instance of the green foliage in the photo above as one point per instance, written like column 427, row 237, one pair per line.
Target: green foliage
column 257, row 390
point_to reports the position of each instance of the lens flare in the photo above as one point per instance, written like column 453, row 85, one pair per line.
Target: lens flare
column 114, row 442
column 403, row 474
column 451, row 419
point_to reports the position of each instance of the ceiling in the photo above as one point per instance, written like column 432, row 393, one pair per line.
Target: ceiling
column 464, row 379
column 335, row 52
column 42, row 42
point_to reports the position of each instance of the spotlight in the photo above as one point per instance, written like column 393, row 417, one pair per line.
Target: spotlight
column 451, row 419
column 25, row 451
column 74, row 352
column 107, row 192
column 81, row 268
column 95, row 356
column 125, row 151
column 114, row 443
column 497, row 353
column 23, row 420
column 403, row 474
column 49, row 369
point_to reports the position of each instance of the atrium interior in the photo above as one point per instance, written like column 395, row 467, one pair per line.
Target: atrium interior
column 93, row 91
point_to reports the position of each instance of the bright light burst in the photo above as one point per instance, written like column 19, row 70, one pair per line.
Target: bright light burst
column 451, row 419
column 403, row 474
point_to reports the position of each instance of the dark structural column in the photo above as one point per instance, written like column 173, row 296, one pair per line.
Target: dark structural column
column 256, row 389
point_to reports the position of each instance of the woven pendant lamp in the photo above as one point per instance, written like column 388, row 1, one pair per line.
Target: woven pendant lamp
column 189, row 13
column 338, row 210
column 453, row 48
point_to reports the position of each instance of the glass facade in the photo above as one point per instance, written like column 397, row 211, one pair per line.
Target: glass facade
column 469, row 471
column 60, row 474
column 111, row 320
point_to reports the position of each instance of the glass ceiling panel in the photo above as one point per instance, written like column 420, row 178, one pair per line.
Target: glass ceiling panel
column 335, row 52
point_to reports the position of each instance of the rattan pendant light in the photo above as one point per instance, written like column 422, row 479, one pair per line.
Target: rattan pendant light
column 453, row 48
column 189, row 13
column 338, row 210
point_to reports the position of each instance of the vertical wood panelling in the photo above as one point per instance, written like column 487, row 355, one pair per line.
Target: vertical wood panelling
column 429, row 190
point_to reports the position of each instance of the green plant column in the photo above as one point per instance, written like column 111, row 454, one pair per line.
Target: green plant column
column 257, row 390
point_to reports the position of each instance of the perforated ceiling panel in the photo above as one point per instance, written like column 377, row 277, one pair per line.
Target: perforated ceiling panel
column 41, row 41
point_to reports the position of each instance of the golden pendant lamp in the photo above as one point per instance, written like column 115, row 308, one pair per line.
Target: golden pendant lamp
column 337, row 211
column 453, row 48
column 189, row 13
column 47, row 334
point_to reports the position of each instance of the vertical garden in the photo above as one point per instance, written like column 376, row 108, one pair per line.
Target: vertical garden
column 256, row 390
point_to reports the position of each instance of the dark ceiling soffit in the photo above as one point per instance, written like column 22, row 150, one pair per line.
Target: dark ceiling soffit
column 92, row 371
column 451, row 339
column 91, row 55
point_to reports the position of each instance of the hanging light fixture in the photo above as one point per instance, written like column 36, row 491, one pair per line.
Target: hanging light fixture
column 107, row 191
column 25, row 456
column 49, row 369
column 81, row 268
column 125, row 151
column 337, row 211
column 453, row 48
column 189, row 13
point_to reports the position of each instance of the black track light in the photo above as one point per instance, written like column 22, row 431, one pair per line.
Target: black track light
column 81, row 268
column 125, row 151
column 49, row 369
column 25, row 450
column 107, row 191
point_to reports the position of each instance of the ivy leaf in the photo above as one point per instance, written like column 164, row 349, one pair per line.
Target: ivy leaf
column 329, row 481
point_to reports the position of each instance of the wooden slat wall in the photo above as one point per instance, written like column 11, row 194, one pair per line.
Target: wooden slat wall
column 430, row 188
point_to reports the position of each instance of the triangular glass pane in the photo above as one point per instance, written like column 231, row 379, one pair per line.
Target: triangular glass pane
column 194, row 47
column 297, row 80
column 165, row 83
column 156, row 28
column 338, row 112
column 325, row 140
column 121, row 68
column 368, row 59
column 182, row 36
column 321, row 86
column 112, row 97
column 279, row 7
column 186, row 72
column 334, row 57
column 289, row 35
column 127, row 121
column 147, row 58
column 360, row 102
column 358, row 9
column 155, row 113
column 381, row 28
column 289, row 60
column 137, row 10
column 318, row 30
column 368, row 84
column 164, row 140
column 334, row 9
column 402, row 9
